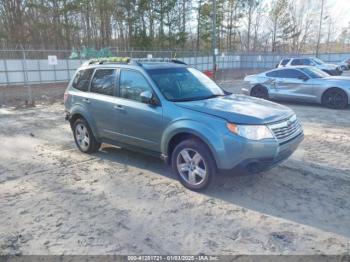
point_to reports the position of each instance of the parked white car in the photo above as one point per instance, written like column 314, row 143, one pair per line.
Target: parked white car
column 331, row 69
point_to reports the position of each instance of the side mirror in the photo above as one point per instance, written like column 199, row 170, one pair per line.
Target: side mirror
column 304, row 78
column 148, row 98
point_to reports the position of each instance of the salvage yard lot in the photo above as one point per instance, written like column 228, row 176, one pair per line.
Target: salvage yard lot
column 56, row 200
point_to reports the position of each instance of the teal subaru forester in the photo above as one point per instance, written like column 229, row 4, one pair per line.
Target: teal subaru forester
column 173, row 111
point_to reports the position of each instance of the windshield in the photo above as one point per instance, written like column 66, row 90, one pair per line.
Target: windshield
column 314, row 72
column 184, row 84
column 318, row 61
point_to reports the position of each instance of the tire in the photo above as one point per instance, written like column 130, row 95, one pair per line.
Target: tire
column 344, row 67
column 260, row 91
column 193, row 164
column 84, row 138
column 335, row 98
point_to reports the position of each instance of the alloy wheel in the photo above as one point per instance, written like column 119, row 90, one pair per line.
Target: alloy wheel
column 191, row 166
column 82, row 136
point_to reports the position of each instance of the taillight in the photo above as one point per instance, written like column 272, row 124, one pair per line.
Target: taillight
column 65, row 96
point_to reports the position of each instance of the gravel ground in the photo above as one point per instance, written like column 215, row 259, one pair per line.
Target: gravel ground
column 56, row 200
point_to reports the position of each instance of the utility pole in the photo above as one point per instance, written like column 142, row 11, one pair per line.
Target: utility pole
column 213, row 43
column 319, row 30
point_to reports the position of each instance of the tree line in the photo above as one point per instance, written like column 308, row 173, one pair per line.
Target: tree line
column 241, row 25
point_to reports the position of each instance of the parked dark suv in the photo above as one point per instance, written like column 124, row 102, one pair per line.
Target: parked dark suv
column 173, row 111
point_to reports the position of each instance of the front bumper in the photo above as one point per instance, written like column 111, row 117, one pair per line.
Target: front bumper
column 258, row 156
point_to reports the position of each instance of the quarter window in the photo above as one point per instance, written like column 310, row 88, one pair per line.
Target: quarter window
column 132, row 84
column 103, row 82
column 82, row 79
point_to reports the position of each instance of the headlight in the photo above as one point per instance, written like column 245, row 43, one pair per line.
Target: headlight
column 253, row 132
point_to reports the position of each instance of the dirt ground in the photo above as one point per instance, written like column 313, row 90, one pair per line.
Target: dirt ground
column 56, row 200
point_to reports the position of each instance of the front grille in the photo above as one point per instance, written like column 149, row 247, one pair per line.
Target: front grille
column 286, row 129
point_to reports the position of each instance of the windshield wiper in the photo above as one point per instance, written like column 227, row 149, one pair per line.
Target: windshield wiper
column 196, row 98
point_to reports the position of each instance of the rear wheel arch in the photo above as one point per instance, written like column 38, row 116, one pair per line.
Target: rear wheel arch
column 260, row 86
column 80, row 115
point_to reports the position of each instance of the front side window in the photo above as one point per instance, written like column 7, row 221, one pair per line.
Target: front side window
column 285, row 73
column 184, row 84
column 292, row 73
column 103, row 82
column 132, row 84
column 306, row 62
column 82, row 79
column 277, row 73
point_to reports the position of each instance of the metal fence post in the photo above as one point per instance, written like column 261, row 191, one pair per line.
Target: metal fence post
column 26, row 80
column 6, row 72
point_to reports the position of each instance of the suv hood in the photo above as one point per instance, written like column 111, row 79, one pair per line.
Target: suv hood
column 240, row 109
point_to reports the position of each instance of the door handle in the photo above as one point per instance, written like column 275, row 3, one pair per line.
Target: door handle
column 119, row 107
column 86, row 100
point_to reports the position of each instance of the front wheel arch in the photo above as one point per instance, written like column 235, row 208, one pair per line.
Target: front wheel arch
column 182, row 136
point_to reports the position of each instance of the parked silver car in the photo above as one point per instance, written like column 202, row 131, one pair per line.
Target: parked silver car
column 303, row 83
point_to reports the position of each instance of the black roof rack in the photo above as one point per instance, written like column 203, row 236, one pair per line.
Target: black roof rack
column 128, row 60
column 159, row 60
column 109, row 60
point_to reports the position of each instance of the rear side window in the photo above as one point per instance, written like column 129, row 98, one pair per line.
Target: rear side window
column 103, row 82
column 82, row 79
column 297, row 62
column 132, row 84
column 285, row 61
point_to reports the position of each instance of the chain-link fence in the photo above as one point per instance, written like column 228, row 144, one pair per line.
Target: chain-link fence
column 21, row 67
column 31, row 68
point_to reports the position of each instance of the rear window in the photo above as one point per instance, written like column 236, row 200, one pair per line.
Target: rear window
column 82, row 79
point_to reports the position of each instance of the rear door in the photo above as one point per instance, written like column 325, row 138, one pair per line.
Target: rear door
column 102, row 99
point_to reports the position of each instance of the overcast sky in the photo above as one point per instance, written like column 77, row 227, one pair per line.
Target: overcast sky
column 340, row 11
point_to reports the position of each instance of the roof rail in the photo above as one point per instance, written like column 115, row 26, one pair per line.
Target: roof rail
column 128, row 60
column 178, row 61
column 166, row 60
column 109, row 60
